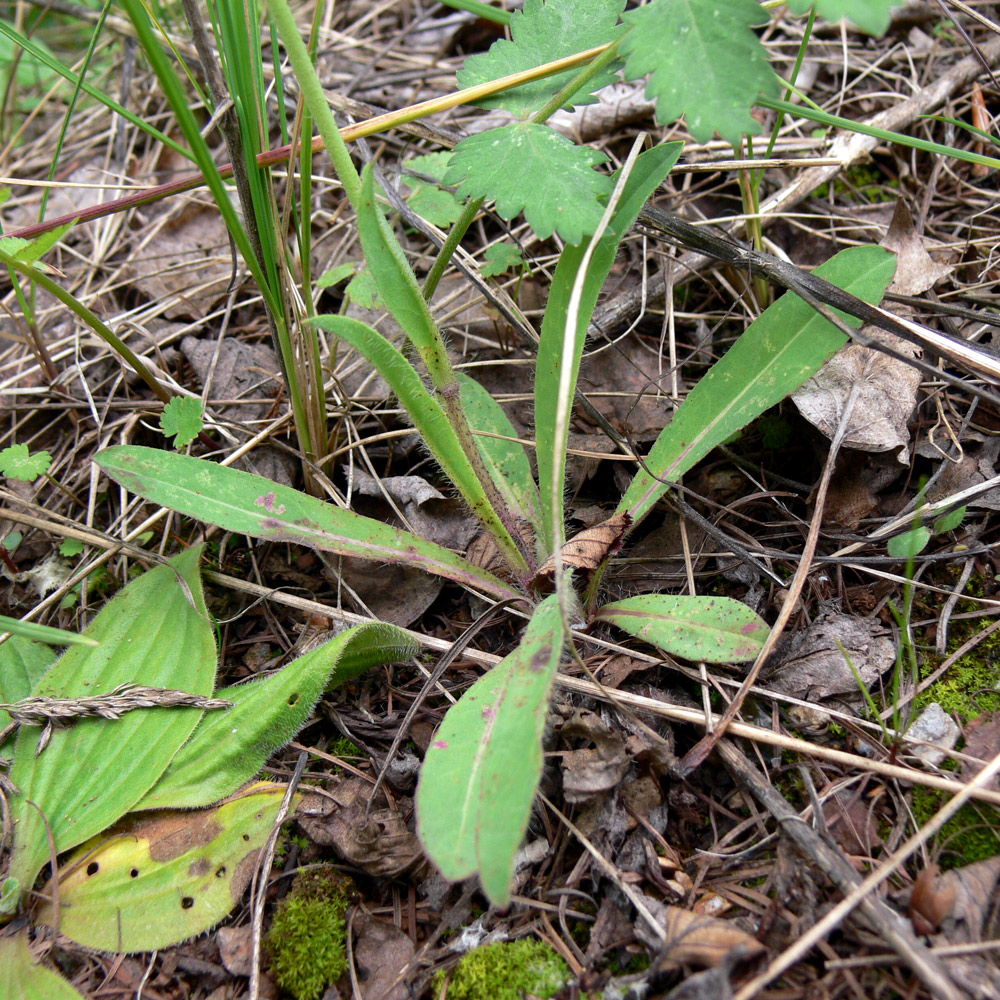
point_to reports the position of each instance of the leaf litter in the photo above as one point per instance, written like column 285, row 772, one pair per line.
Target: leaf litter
column 683, row 846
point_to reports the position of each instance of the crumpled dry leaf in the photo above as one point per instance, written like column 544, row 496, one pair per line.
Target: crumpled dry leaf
column 695, row 940
column 810, row 664
column 656, row 563
column 382, row 951
column 974, row 904
column 194, row 243
column 853, row 823
column 931, row 901
column 885, row 398
column 587, row 549
column 916, row 271
column 236, row 949
column 857, row 482
column 617, row 104
column 588, row 773
column 379, row 843
column 976, row 465
column 982, row 740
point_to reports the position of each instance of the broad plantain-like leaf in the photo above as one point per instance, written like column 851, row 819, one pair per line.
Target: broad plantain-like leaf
column 484, row 764
column 229, row 748
column 704, row 62
column 164, row 877
column 156, row 631
column 787, row 344
column 648, row 172
column 427, row 415
column 506, row 461
column 532, row 168
column 23, row 663
column 712, row 629
column 251, row 505
column 869, row 15
column 541, row 33
column 23, row 978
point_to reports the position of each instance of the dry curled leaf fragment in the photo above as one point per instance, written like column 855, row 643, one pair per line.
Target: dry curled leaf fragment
column 931, row 901
column 589, row 548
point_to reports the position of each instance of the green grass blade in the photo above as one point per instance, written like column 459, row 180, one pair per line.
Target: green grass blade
column 709, row 629
column 229, row 747
column 483, row 767
column 41, row 633
column 157, row 631
column 787, row 344
column 251, row 505
column 648, row 173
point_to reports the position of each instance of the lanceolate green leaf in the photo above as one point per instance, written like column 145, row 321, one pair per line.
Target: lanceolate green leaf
column 156, row 631
column 428, row 417
column 483, row 766
column 506, row 460
column 540, row 33
column 704, row 62
column 251, row 505
column 648, row 173
column 23, row 663
column 24, row 978
column 532, row 168
column 784, row 346
column 163, row 877
column 228, row 748
column 713, row 629
column 398, row 287
column 869, row 15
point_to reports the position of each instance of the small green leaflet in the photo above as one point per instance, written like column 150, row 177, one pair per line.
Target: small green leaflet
column 433, row 203
column 531, row 168
column 541, row 33
column 500, row 258
column 950, row 521
column 16, row 462
column 483, row 767
column 909, row 543
column 704, row 62
column 182, row 419
column 869, row 15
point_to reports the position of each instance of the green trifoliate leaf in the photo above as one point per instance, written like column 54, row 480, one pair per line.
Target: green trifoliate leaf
column 16, row 462
column 181, row 420
column 541, row 33
column 530, row 168
column 703, row 61
column 500, row 258
column 869, row 15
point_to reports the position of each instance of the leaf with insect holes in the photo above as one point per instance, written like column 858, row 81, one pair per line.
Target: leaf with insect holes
column 23, row 977
column 531, row 168
column 182, row 419
column 483, row 766
column 16, row 462
column 869, row 15
column 228, row 748
column 703, row 61
column 164, row 877
column 541, row 33
column 709, row 629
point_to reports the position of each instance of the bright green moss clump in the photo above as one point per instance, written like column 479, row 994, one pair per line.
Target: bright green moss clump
column 972, row 834
column 503, row 970
column 308, row 935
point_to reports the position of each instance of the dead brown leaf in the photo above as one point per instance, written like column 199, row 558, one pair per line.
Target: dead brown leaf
column 589, row 548
column 379, row 842
column 930, row 903
column 812, row 665
column 975, row 888
column 916, row 270
column 382, row 951
column 588, row 773
column 982, row 740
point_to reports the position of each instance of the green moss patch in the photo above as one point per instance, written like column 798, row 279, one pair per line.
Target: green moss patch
column 505, row 970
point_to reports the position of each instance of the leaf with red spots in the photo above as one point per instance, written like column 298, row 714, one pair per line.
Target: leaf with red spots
column 709, row 629
column 481, row 771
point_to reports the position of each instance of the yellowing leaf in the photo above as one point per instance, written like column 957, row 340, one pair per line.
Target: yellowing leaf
column 158, row 879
